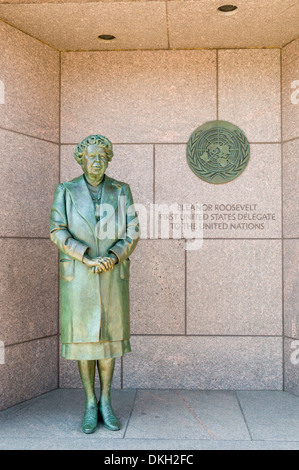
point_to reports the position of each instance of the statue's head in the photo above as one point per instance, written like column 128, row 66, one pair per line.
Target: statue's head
column 93, row 154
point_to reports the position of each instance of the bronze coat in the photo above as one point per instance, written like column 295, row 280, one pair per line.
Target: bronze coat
column 93, row 306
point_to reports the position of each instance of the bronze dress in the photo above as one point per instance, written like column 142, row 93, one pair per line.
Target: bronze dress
column 101, row 349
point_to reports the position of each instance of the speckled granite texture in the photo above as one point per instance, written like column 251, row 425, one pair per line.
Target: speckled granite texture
column 211, row 318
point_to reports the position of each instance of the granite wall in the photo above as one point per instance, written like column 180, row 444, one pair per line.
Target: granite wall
column 211, row 318
column 222, row 317
column 290, row 120
column 29, row 133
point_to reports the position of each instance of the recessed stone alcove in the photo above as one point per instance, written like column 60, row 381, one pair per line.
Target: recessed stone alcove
column 223, row 317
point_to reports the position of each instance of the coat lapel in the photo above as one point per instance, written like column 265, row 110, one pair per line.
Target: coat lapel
column 83, row 202
column 110, row 194
column 111, row 191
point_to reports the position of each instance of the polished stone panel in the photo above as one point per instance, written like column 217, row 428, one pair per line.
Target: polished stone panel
column 194, row 24
column 290, row 93
column 200, row 362
column 30, row 370
column 138, row 25
column 199, row 415
column 248, row 207
column 234, row 288
column 291, row 365
column 157, row 284
column 28, row 178
column 28, row 290
column 69, row 376
column 271, row 416
column 144, row 96
column 30, row 73
column 148, row 23
column 249, row 92
column 290, row 188
column 291, row 288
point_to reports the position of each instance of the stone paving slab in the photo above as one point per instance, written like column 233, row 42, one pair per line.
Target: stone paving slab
column 219, row 411
column 271, row 415
column 58, row 414
column 161, row 414
column 157, row 420
column 141, row 444
column 187, row 414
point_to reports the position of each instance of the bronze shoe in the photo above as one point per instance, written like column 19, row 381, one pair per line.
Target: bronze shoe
column 110, row 421
column 90, row 420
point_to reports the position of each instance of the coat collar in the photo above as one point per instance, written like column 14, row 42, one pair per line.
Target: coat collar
column 82, row 199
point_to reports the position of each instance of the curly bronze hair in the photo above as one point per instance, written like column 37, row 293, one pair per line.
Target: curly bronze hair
column 93, row 140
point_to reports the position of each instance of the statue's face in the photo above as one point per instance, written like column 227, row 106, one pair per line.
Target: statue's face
column 95, row 161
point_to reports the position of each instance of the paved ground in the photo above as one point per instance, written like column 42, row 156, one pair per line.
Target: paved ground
column 157, row 419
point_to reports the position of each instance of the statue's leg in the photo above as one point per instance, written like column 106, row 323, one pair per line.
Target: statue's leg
column 87, row 374
column 106, row 369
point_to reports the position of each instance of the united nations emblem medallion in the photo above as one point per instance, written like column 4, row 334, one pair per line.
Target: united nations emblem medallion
column 217, row 152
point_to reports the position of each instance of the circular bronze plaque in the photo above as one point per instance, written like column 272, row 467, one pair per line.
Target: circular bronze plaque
column 217, row 152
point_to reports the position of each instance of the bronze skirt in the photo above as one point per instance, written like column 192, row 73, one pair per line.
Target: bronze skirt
column 95, row 351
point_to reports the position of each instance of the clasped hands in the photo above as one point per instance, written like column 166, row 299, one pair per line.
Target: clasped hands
column 100, row 263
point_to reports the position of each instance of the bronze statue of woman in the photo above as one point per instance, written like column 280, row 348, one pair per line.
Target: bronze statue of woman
column 94, row 225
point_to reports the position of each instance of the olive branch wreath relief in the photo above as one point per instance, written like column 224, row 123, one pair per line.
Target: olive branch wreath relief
column 216, row 175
